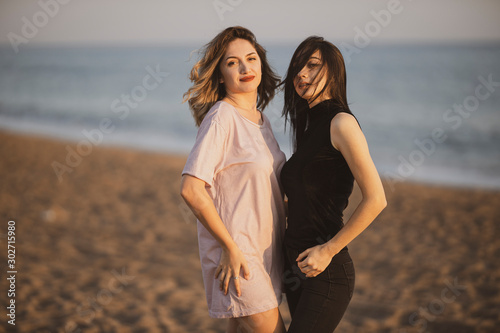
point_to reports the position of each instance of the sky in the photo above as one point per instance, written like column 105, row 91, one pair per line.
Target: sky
column 131, row 22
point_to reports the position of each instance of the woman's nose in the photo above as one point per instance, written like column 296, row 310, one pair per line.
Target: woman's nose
column 302, row 74
column 243, row 68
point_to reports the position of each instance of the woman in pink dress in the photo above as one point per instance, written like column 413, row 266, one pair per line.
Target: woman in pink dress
column 231, row 183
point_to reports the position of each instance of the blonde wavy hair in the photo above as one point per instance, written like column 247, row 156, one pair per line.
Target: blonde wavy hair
column 205, row 74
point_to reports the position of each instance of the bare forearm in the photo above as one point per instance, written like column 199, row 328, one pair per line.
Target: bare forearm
column 203, row 208
column 346, row 134
column 363, row 216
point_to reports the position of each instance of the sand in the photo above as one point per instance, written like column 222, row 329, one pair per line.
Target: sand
column 112, row 248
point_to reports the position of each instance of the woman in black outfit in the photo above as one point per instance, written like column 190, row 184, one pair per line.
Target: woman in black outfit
column 330, row 152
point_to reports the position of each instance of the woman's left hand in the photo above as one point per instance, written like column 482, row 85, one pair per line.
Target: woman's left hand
column 316, row 260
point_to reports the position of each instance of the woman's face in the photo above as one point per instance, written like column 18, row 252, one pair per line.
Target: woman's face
column 311, row 80
column 241, row 68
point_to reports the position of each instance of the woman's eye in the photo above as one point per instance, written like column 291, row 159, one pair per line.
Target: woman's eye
column 252, row 59
column 231, row 63
column 313, row 64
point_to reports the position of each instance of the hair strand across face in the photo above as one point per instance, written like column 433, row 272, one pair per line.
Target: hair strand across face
column 295, row 107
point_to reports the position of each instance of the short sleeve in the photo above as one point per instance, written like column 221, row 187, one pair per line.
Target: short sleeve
column 207, row 156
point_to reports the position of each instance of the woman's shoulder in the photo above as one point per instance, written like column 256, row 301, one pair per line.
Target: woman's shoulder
column 344, row 125
column 221, row 112
column 344, row 120
column 342, row 116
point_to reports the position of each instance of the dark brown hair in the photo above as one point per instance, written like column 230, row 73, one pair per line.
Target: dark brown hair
column 295, row 107
column 205, row 75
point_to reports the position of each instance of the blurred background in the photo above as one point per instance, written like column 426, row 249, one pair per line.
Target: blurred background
column 65, row 66
column 423, row 80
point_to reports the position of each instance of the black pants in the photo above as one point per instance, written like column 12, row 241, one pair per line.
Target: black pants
column 318, row 304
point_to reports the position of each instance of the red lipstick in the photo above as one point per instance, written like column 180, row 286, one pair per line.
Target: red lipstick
column 302, row 84
column 247, row 78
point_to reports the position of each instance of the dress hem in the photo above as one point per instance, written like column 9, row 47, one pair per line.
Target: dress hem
column 246, row 312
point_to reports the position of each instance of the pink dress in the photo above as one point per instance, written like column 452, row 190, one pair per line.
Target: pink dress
column 240, row 162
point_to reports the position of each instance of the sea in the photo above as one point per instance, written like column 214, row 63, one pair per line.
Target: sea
column 430, row 112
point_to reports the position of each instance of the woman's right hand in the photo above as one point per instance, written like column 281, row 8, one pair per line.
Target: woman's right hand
column 230, row 264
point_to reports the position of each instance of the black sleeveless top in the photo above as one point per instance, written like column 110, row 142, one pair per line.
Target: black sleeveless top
column 317, row 182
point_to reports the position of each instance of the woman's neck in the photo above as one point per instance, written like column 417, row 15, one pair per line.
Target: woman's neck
column 313, row 102
column 246, row 105
column 246, row 102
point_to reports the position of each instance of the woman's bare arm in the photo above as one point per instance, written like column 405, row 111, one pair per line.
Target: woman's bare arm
column 346, row 136
column 195, row 195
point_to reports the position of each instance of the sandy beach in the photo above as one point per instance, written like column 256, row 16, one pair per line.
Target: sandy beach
column 111, row 247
